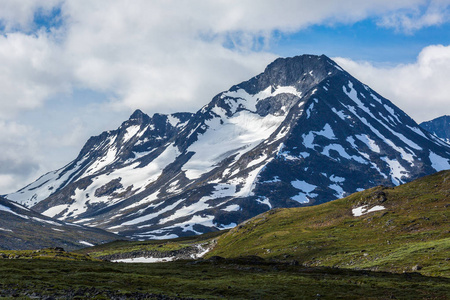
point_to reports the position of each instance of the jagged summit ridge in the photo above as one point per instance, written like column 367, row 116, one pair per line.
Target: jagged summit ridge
column 299, row 72
column 128, row 144
column 138, row 115
column 302, row 132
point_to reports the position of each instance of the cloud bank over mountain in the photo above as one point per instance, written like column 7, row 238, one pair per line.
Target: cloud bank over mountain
column 171, row 56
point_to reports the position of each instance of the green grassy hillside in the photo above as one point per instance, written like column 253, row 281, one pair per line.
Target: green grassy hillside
column 412, row 233
column 44, row 254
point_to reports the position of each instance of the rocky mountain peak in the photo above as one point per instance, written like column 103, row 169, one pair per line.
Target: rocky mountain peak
column 137, row 114
column 138, row 117
column 288, row 71
column 301, row 72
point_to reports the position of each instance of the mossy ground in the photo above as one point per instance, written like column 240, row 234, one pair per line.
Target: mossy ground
column 230, row 279
column 43, row 254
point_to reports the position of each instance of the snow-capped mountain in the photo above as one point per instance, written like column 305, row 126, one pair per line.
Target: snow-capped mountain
column 22, row 228
column 440, row 127
column 303, row 132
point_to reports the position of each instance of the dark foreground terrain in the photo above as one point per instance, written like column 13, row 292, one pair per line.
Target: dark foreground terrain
column 239, row 278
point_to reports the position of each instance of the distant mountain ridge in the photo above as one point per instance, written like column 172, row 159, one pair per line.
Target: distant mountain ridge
column 24, row 229
column 303, row 132
column 439, row 127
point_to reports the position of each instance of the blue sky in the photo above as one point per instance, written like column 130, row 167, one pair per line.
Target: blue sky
column 363, row 40
column 71, row 69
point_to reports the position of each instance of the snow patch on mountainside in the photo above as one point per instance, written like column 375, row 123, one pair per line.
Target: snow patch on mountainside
column 148, row 217
column 265, row 201
column 145, row 259
column 341, row 151
column 31, row 217
column 188, row 226
column 406, row 156
column 362, row 210
column 257, row 161
column 43, row 187
column 403, row 138
column 9, row 210
column 174, row 121
column 250, row 100
column 392, row 112
column 369, row 142
column 226, row 137
column 306, row 188
column 110, row 157
column 327, row 132
column 397, row 171
column 438, row 162
column 339, row 191
column 131, row 132
column 337, row 178
column 417, row 130
column 308, row 139
column 232, row 207
column 55, row 210
column 86, row 243
column 131, row 176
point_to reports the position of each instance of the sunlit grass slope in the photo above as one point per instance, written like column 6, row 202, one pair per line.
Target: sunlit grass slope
column 411, row 233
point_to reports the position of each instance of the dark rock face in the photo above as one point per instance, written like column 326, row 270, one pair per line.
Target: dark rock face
column 109, row 188
column 301, row 72
column 301, row 133
column 439, row 127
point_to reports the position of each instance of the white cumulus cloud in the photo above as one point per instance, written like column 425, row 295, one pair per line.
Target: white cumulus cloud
column 430, row 13
column 421, row 88
column 32, row 70
column 20, row 15
column 19, row 161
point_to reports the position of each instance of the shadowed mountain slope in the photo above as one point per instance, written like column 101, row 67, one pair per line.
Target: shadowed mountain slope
column 23, row 229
